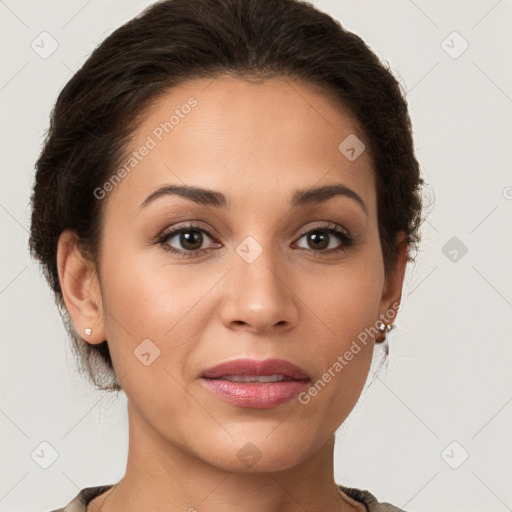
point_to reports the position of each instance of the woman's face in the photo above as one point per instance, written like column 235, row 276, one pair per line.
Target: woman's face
column 247, row 280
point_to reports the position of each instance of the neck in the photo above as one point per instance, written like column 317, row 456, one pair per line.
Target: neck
column 161, row 476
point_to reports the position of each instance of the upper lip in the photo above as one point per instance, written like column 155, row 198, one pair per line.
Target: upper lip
column 256, row 367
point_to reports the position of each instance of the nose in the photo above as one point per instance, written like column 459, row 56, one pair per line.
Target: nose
column 259, row 297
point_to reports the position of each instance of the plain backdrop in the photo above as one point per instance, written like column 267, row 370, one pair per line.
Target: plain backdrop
column 433, row 430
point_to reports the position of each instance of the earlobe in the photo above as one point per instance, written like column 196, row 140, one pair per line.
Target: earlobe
column 80, row 289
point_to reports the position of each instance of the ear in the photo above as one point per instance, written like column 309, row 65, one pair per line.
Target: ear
column 392, row 292
column 80, row 288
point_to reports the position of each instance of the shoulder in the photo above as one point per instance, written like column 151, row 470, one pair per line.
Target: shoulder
column 369, row 500
column 80, row 501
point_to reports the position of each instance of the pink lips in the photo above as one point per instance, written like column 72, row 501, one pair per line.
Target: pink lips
column 256, row 395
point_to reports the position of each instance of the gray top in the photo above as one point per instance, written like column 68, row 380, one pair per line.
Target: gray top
column 80, row 501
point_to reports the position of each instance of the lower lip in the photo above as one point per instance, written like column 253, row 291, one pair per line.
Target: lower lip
column 255, row 395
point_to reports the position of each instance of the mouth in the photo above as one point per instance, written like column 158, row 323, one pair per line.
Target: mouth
column 253, row 369
column 256, row 378
column 255, row 384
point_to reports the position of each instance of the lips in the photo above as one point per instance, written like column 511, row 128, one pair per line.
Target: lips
column 255, row 384
column 246, row 369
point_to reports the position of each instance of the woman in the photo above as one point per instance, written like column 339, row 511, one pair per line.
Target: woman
column 224, row 207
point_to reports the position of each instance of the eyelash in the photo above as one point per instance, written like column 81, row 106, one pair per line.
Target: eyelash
column 332, row 229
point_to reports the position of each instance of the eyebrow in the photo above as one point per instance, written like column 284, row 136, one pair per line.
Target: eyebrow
column 300, row 198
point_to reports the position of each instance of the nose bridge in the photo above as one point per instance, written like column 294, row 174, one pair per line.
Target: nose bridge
column 257, row 264
column 259, row 296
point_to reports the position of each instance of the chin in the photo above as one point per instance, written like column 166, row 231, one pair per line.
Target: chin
column 257, row 455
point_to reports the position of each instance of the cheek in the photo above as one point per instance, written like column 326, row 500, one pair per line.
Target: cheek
column 147, row 300
column 346, row 307
column 143, row 314
column 342, row 357
column 347, row 298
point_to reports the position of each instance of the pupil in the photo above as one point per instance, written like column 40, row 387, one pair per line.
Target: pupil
column 315, row 237
column 187, row 239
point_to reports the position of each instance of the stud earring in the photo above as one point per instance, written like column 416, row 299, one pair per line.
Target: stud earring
column 383, row 328
column 88, row 331
column 386, row 327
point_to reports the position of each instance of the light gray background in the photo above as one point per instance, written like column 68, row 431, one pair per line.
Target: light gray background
column 448, row 373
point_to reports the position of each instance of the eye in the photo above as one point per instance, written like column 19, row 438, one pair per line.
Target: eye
column 188, row 241
column 323, row 239
column 191, row 239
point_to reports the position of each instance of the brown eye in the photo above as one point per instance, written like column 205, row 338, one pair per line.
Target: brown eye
column 190, row 240
column 186, row 241
column 318, row 240
column 324, row 240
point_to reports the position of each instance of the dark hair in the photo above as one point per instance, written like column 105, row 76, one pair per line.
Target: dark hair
column 175, row 41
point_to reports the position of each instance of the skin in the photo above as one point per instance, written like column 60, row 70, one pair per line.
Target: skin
column 256, row 143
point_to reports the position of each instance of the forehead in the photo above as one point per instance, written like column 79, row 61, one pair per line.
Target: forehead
column 245, row 139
